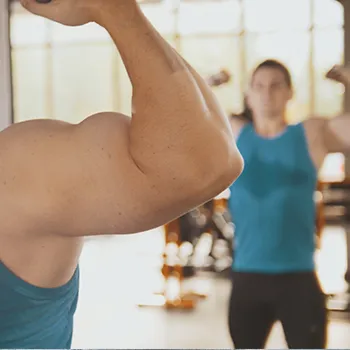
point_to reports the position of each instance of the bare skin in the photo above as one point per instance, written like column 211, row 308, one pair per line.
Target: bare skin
column 268, row 97
column 111, row 174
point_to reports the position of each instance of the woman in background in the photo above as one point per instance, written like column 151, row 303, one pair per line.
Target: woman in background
column 273, row 209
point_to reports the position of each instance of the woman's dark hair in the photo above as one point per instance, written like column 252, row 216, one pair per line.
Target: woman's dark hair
column 274, row 64
column 247, row 114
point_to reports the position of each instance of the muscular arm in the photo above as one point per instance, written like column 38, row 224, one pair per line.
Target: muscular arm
column 335, row 131
column 110, row 174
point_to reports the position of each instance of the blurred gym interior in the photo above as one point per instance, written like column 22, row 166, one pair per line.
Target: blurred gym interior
column 171, row 285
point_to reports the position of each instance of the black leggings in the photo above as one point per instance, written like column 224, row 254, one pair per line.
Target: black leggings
column 295, row 299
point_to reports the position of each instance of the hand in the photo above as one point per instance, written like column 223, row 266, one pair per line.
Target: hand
column 225, row 76
column 220, row 78
column 68, row 12
column 339, row 74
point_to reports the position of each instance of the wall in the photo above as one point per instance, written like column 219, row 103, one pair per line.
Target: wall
column 76, row 71
column 5, row 76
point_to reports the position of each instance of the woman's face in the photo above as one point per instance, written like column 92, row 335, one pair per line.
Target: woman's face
column 269, row 93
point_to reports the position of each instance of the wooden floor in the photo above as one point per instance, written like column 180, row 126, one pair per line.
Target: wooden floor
column 118, row 272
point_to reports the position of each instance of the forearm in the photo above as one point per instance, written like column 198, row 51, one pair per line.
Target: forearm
column 203, row 85
column 206, row 91
column 213, row 104
column 172, row 119
column 335, row 131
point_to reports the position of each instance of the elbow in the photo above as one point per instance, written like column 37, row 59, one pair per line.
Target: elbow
column 223, row 161
column 234, row 167
column 190, row 185
column 229, row 169
column 217, row 174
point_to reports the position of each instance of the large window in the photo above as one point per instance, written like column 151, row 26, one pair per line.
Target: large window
column 69, row 73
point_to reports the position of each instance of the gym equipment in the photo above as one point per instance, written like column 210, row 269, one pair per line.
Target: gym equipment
column 213, row 250
column 176, row 253
column 43, row 1
column 191, row 225
column 210, row 250
column 334, row 209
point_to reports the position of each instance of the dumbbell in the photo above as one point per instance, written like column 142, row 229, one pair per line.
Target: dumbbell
column 43, row 1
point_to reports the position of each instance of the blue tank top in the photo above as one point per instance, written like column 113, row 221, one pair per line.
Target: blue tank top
column 272, row 203
column 33, row 317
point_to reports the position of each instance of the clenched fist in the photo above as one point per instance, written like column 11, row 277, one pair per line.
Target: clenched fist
column 340, row 74
column 71, row 12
